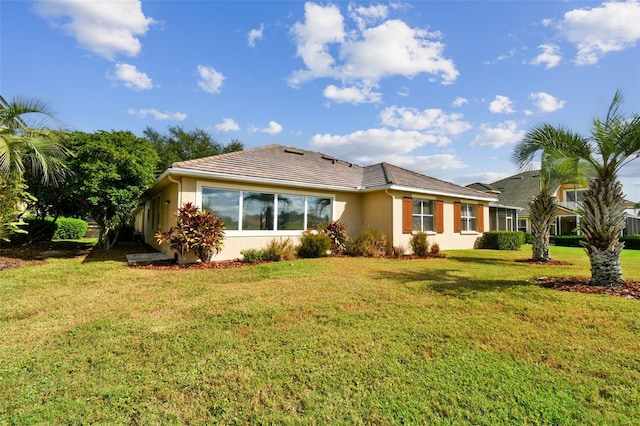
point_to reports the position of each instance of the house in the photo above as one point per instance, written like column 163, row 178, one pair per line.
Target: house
column 518, row 189
column 278, row 191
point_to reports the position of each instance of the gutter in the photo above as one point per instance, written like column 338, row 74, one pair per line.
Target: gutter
column 235, row 178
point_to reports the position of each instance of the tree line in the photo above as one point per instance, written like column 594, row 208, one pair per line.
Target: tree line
column 100, row 175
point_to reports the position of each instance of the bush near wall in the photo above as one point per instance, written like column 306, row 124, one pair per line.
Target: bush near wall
column 502, row 240
column 631, row 242
column 568, row 240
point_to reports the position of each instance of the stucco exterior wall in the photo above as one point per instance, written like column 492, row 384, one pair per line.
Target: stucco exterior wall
column 380, row 210
column 346, row 207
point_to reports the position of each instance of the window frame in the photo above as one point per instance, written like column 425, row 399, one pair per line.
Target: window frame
column 276, row 195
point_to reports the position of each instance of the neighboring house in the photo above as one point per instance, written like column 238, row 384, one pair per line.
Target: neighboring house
column 518, row 189
column 277, row 192
column 501, row 217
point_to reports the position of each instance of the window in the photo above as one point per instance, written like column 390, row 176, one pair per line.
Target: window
column 291, row 212
column 224, row 204
column 318, row 212
column 258, row 211
column 522, row 225
column 468, row 215
column 422, row 215
column 574, row 197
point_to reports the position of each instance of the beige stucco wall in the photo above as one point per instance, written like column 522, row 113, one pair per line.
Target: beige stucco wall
column 346, row 207
column 380, row 210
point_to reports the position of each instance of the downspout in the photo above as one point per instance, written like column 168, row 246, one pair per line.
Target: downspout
column 179, row 183
column 386, row 191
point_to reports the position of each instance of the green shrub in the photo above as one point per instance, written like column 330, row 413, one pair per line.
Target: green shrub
column 369, row 243
column 70, row 229
column 314, row 244
column 568, row 240
column 419, row 244
column 252, row 255
column 434, row 250
column 278, row 250
column 528, row 237
column 502, row 240
column 631, row 242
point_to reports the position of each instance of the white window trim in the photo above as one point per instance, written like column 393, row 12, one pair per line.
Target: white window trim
column 424, row 198
column 252, row 188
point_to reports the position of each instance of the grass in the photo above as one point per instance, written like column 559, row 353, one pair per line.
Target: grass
column 464, row 339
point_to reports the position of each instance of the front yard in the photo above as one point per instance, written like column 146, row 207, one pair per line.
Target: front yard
column 463, row 339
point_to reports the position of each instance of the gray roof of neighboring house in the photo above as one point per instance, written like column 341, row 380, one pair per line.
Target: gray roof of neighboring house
column 516, row 190
column 298, row 167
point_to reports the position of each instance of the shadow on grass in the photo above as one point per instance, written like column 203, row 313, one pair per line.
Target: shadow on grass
column 446, row 282
column 58, row 249
column 463, row 257
column 117, row 253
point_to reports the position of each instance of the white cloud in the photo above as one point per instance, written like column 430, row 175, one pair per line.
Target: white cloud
column 431, row 120
column 130, row 77
column 549, row 57
column 354, row 95
column 255, row 34
column 143, row 113
column 424, row 163
column 363, row 56
column 546, row 22
column 273, row 129
column 503, row 134
column 107, row 28
column 611, row 27
column 545, row 102
column 383, row 142
column 501, row 105
column 210, row 79
column 459, row 101
column 366, row 16
column 227, row 125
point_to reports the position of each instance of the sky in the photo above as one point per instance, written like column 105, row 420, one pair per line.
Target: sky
column 445, row 88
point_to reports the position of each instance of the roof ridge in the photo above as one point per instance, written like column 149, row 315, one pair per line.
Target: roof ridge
column 224, row 154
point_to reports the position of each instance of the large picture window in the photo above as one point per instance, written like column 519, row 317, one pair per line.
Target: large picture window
column 258, row 211
column 422, row 214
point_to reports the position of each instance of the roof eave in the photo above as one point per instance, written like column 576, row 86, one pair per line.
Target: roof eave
column 430, row 192
column 249, row 179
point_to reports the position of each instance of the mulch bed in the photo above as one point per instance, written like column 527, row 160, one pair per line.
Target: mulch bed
column 630, row 290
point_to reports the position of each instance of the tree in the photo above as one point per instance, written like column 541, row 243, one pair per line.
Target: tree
column 182, row 145
column 111, row 171
column 542, row 206
column 26, row 150
column 612, row 143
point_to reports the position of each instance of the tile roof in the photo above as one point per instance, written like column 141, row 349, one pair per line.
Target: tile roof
column 518, row 189
column 294, row 166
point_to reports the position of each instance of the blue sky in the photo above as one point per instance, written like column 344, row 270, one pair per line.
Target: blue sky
column 445, row 88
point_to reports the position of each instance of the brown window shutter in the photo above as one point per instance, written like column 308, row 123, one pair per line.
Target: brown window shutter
column 439, row 217
column 457, row 217
column 407, row 218
column 480, row 218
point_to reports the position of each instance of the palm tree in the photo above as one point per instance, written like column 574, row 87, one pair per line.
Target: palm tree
column 23, row 149
column 611, row 144
column 542, row 207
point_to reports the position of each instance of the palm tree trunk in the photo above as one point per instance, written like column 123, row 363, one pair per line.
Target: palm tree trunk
column 603, row 218
column 542, row 210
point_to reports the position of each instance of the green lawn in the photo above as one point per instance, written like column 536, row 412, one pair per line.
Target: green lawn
column 464, row 339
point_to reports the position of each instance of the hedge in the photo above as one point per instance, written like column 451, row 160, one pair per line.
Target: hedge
column 63, row 229
column 568, row 240
column 631, row 242
column 502, row 240
column 70, row 229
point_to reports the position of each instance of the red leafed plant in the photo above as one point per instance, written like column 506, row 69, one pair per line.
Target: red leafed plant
column 197, row 231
